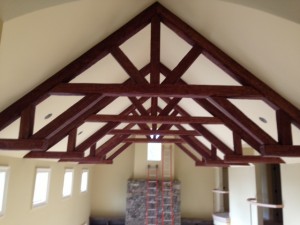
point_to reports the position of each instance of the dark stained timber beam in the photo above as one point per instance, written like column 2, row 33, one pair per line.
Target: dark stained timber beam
column 170, row 106
column 119, row 151
column 229, row 123
column 216, row 163
column 55, row 155
column 155, row 132
column 112, row 143
column 216, row 112
column 95, row 161
column 144, row 140
column 128, row 66
column 183, row 66
column 251, row 159
column 23, row 144
column 153, row 119
column 155, row 50
column 237, row 144
column 152, row 90
column 88, row 160
column 93, row 150
column 64, row 129
column 281, row 150
column 212, row 162
column 68, row 117
column 79, row 65
column 188, row 152
column 212, row 138
column 203, row 131
column 139, row 106
column 242, row 120
column 141, row 126
column 155, row 61
column 284, row 128
column 229, row 65
column 96, row 136
column 102, row 131
column 72, row 140
column 213, row 152
column 197, row 146
column 27, row 122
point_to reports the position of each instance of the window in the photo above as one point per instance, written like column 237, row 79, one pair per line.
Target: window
column 154, row 152
column 41, row 186
column 3, row 188
column 68, row 183
column 84, row 180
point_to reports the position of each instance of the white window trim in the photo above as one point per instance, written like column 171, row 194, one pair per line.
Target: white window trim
column 6, row 170
column 87, row 184
column 71, row 192
column 40, row 169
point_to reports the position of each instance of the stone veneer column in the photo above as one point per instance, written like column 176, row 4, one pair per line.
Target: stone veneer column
column 136, row 202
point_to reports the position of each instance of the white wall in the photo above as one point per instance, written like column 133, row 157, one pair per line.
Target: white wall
column 73, row 210
column 290, row 180
column 196, row 187
column 109, row 186
column 242, row 185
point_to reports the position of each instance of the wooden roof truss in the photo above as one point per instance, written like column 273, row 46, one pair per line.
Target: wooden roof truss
column 153, row 121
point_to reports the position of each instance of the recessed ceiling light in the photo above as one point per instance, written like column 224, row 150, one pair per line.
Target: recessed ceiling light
column 263, row 120
column 48, row 116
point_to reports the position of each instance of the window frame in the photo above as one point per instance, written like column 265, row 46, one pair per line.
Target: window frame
column 41, row 169
column 87, row 181
column 4, row 169
column 72, row 183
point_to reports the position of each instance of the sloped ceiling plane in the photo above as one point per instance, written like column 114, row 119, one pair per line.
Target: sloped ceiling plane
column 119, row 100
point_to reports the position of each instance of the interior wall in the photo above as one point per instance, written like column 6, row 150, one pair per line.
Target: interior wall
column 290, row 184
column 242, row 185
column 109, row 186
column 1, row 27
column 141, row 163
column 72, row 210
column 196, row 187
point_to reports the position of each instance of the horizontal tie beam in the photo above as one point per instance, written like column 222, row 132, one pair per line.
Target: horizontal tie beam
column 155, row 90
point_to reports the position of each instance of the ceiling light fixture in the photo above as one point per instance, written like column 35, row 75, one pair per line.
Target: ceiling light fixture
column 263, row 120
column 48, row 116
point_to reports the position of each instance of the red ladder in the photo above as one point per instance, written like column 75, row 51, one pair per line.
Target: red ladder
column 152, row 196
column 167, row 187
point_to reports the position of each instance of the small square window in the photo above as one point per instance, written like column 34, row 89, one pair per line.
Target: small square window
column 154, row 152
column 84, row 180
column 3, row 188
column 41, row 186
column 68, row 182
